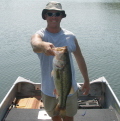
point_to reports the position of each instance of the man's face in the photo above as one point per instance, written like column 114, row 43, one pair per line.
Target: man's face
column 53, row 18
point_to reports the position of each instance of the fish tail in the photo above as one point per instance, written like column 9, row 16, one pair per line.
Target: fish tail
column 62, row 113
column 59, row 111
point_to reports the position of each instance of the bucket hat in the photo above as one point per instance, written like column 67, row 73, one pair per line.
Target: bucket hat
column 53, row 5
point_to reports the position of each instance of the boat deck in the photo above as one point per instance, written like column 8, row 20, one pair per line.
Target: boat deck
column 96, row 115
column 82, row 115
column 32, row 109
column 24, row 103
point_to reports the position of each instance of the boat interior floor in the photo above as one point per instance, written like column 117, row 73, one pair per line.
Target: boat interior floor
column 82, row 115
column 90, row 107
column 32, row 109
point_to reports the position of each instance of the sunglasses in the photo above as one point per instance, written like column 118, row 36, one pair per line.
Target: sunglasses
column 53, row 14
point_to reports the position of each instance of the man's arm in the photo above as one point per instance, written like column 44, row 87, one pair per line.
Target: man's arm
column 39, row 46
column 82, row 66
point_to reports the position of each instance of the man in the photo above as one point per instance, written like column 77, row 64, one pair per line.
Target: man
column 42, row 43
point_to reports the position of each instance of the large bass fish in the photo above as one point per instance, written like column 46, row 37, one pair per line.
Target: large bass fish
column 62, row 77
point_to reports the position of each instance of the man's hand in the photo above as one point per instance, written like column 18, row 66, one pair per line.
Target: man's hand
column 47, row 48
column 40, row 46
column 86, row 88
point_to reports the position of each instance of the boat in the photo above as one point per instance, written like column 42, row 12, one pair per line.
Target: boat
column 23, row 102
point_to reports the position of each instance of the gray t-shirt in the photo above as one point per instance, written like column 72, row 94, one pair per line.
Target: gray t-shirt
column 60, row 39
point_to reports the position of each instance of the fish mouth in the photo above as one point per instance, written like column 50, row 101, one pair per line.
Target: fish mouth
column 60, row 49
column 59, row 61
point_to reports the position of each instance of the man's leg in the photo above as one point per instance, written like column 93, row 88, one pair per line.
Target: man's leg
column 57, row 118
column 71, row 107
column 68, row 118
column 49, row 105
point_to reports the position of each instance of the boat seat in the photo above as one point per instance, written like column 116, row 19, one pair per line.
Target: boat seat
column 96, row 115
column 82, row 115
column 29, row 103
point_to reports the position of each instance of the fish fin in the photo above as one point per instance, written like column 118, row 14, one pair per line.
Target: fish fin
column 55, row 93
column 72, row 91
column 62, row 113
column 52, row 73
column 57, row 110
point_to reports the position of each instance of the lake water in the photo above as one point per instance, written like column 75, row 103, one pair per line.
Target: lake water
column 96, row 24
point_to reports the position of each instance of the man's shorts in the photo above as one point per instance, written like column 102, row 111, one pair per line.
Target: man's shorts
column 51, row 102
